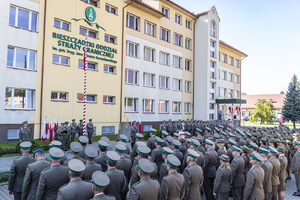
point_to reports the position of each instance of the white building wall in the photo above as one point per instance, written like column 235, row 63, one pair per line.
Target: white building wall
column 12, row 77
column 141, row 92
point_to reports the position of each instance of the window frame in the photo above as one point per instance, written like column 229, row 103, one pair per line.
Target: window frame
column 110, row 7
column 88, row 32
column 16, row 20
column 213, row 28
column 180, row 39
column 166, row 57
column 58, row 96
column 236, row 78
column 167, row 82
column 187, row 107
column 178, row 106
column 88, row 63
column 92, row 95
column 152, row 105
column 237, row 63
column 89, row 2
column 107, row 38
column 14, row 61
column 107, row 99
column 136, row 52
column 135, row 77
column 135, row 104
column 12, row 96
column 167, row 34
column 166, row 106
column 230, row 60
column 59, row 57
column 179, row 88
column 152, row 29
column 61, row 23
column 109, row 66
column 178, row 18
column 179, row 62
column 107, row 128
column 136, row 22
column 188, row 43
column 163, row 11
column 188, row 85
column 152, row 56
column 151, row 78
column 187, row 21
column 188, row 65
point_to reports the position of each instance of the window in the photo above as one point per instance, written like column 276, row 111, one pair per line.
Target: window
column 111, row 9
column 237, row 94
column 230, row 62
column 88, row 32
column 188, row 43
column 166, row 11
column 211, row 106
column 187, row 86
column 224, row 75
column 149, row 54
column 108, row 129
column 133, row 22
column 164, row 82
column 211, row 116
column 12, row 134
column 132, row 49
column 150, row 28
column 62, row 25
column 131, row 105
column 90, row 65
column 19, row 98
column 165, row 34
column 178, row 18
column 89, row 98
column 59, row 96
column 163, row 106
column 237, row 63
column 212, row 74
column 212, row 49
column 177, row 84
column 212, row 85
column 109, row 69
column 188, row 24
column 164, row 58
column 148, row 105
column 225, row 92
column 177, row 39
column 146, row 128
column 21, row 58
column 23, row 18
column 212, row 64
column 149, row 80
column 61, row 60
column 230, row 77
column 187, row 107
column 108, row 99
column 188, row 66
column 92, row 2
column 224, row 58
column 243, row 113
column 110, row 39
column 213, row 28
column 236, row 78
column 177, row 62
column 131, row 77
column 211, row 95
column 176, row 107
column 231, row 92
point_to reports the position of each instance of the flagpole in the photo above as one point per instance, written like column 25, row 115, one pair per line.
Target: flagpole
column 84, row 84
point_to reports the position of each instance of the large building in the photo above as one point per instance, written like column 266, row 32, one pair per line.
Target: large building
column 147, row 60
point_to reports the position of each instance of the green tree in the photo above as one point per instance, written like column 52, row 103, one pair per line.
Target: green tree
column 263, row 112
column 291, row 103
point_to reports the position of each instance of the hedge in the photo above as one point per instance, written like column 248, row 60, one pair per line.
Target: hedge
column 4, row 176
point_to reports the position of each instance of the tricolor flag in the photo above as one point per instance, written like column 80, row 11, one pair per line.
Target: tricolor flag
column 51, row 132
column 44, row 133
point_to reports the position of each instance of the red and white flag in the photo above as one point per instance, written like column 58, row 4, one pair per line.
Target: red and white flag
column 51, row 132
column 238, row 109
column 140, row 125
column 44, row 133
column 231, row 110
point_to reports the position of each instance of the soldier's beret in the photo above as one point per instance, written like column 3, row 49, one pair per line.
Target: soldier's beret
column 237, row 130
column 220, row 126
column 106, row 139
column 207, row 129
column 80, row 120
column 189, row 141
column 91, row 152
column 223, row 133
column 56, row 153
column 253, row 145
column 217, row 136
column 167, row 150
column 123, row 137
column 209, row 142
column 76, row 166
column 195, row 142
column 232, row 142
column 83, row 139
column 75, row 147
column 176, row 135
column 248, row 134
column 193, row 153
column 231, row 135
column 103, row 144
column 172, row 160
column 25, row 122
column 216, row 129
column 121, row 148
column 188, row 134
column 297, row 142
column 263, row 150
column 56, row 143
column 242, row 134
column 90, row 120
column 25, row 145
column 66, row 122
column 37, row 150
column 224, row 158
column 169, row 139
column 152, row 130
column 256, row 156
column 228, row 129
column 165, row 133
column 281, row 149
column 198, row 130
column 100, row 179
column 112, row 156
column 139, row 135
column 176, row 143
column 273, row 150
column 245, row 148
column 144, row 150
column 158, row 140
column 237, row 149
column 145, row 166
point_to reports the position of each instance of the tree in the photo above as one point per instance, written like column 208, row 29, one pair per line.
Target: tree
column 282, row 92
column 263, row 112
column 291, row 103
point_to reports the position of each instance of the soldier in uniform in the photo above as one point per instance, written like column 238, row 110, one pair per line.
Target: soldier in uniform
column 76, row 188
column 172, row 185
column 275, row 173
column 164, row 135
column 60, row 134
column 176, row 151
column 90, row 130
column 75, row 147
column 268, row 168
column 83, row 140
column 146, row 188
column 124, row 163
column 24, row 132
column 100, row 180
column 193, row 176
column 133, row 131
column 295, row 166
column 255, row 178
column 117, row 184
column 67, row 132
column 73, row 128
column 151, row 140
column 170, row 127
column 139, row 138
column 282, row 174
column 90, row 154
column 32, row 174
column 221, row 185
column 156, row 154
column 79, row 128
column 237, row 177
column 102, row 157
column 163, row 126
column 52, row 178
column 163, row 168
column 18, row 169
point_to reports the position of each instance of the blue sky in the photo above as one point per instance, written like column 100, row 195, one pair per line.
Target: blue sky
column 268, row 31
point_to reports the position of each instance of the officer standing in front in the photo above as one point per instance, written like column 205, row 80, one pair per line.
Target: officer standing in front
column 24, row 132
column 90, row 130
column 80, row 128
column 73, row 127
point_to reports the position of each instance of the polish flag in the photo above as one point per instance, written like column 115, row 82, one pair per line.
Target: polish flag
column 51, row 131
column 44, row 133
column 140, row 125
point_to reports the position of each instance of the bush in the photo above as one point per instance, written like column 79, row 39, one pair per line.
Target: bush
column 4, row 176
column 1, row 151
column 146, row 136
column 9, row 151
column 33, row 146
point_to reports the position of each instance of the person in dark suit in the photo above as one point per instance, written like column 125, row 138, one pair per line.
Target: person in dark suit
column 237, row 177
column 18, row 170
column 33, row 173
column 100, row 180
column 101, row 159
column 25, row 132
column 90, row 154
column 221, row 185
column 73, row 127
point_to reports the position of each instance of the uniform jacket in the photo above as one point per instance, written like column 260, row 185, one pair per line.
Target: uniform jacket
column 76, row 189
column 267, row 167
column 24, row 133
column 145, row 189
column 237, row 169
column 90, row 128
column 103, row 197
column 178, row 154
column 79, row 129
column 282, row 175
column 51, row 180
column 163, row 171
column 151, row 142
column 82, row 153
column 172, row 186
column 222, row 179
column 295, row 166
column 73, row 127
column 117, row 183
column 74, row 157
column 247, row 164
column 193, row 177
column 156, row 156
column 210, row 163
column 31, row 179
column 125, row 165
column 254, row 185
column 276, row 170
column 90, row 168
column 101, row 159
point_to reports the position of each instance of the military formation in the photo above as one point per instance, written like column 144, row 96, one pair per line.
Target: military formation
column 212, row 160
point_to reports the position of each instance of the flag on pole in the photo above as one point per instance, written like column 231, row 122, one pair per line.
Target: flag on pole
column 44, row 133
column 84, row 84
column 140, row 125
column 47, row 125
column 50, row 132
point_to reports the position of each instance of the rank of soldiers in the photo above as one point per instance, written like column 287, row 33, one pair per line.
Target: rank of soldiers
column 214, row 161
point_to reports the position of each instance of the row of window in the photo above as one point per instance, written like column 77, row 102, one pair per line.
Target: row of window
column 228, row 76
column 178, row 17
column 224, row 93
column 231, row 61
column 90, row 98
column 149, row 80
column 133, row 50
column 23, row 18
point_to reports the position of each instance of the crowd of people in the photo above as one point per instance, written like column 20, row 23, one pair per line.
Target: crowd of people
column 194, row 159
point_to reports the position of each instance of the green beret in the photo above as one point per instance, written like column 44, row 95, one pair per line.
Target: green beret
column 192, row 153
column 145, row 166
column 143, row 150
column 158, row 140
column 237, row 149
column 263, row 150
column 56, row 153
column 245, row 148
column 224, row 158
column 209, row 142
column 152, row 130
column 195, row 143
column 167, row 150
column 100, row 179
column 273, row 150
column 76, row 166
column 112, row 156
column 25, row 145
column 256, row 157
column 173, row 161
column 120, row 148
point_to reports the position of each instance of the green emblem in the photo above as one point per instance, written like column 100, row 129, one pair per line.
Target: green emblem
column 90, row 13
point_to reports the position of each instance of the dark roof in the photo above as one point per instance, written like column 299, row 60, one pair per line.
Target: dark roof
column 231, row 101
